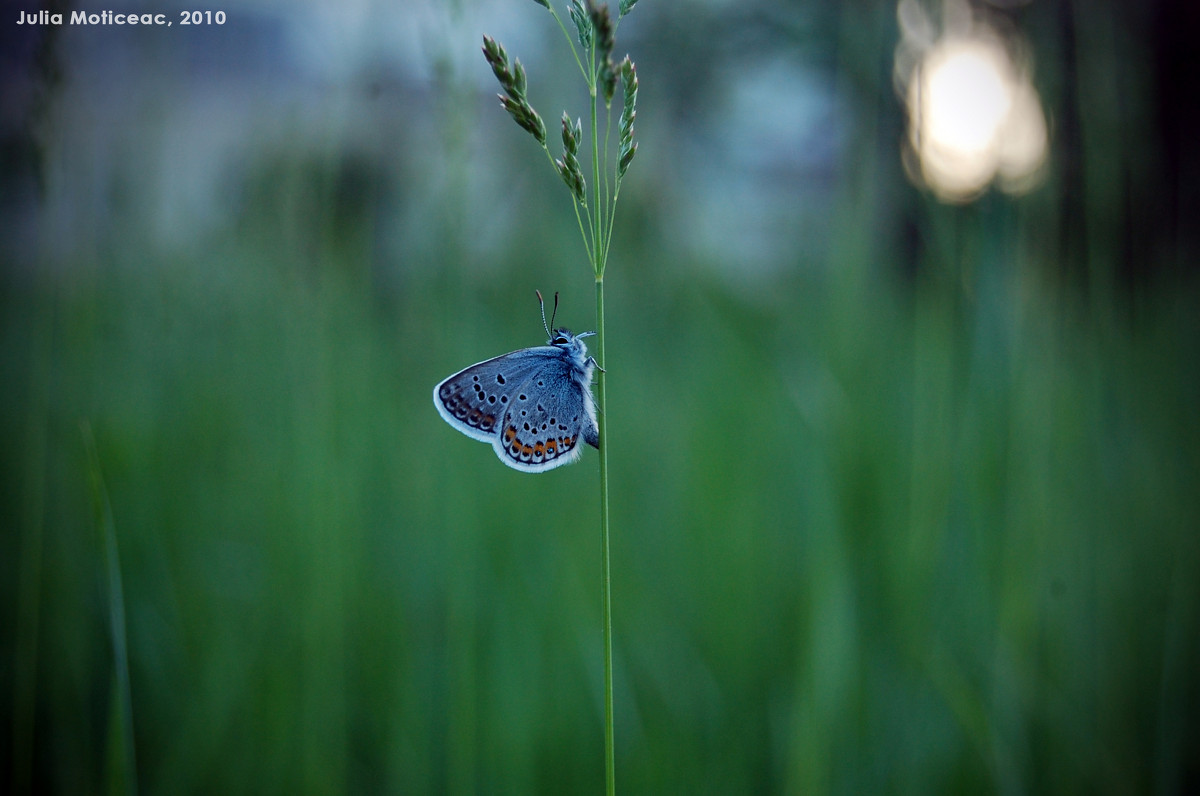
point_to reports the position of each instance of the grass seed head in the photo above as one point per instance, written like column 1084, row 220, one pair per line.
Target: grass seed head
column 582, row 24
column 513, row 81
column 629, row 87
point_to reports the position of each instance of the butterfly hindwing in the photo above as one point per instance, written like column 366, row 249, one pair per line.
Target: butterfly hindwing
column 545, row 421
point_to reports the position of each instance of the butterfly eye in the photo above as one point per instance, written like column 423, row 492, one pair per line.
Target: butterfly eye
column 560, row 340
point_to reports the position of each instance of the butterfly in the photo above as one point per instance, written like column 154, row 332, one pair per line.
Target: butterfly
column 533, row 405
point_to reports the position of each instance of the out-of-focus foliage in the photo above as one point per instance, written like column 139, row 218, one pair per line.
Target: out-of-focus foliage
column 904, row 494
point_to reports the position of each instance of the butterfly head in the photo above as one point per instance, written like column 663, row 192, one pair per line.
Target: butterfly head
column 571, row 343
column 562, row 338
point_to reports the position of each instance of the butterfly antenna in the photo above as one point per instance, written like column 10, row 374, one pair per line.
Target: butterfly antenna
column 542, row 304
column 553, row 312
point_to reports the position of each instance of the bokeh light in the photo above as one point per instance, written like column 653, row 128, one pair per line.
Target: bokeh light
column 974, row 115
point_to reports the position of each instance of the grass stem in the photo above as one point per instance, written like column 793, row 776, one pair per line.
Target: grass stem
column 605, row 578
column 125, row 757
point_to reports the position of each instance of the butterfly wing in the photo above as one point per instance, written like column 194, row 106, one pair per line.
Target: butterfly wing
column 545, row 419
column 473, row 399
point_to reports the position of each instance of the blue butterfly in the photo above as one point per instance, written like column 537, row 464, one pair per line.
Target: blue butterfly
column 533, row 405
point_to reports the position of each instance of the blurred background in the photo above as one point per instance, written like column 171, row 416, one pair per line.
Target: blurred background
column 903, row 385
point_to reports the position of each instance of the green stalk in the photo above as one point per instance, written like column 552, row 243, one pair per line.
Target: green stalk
column 600, row 255
column 123, row 757
column 598, row 227
column 595, row 227
column 606, row 588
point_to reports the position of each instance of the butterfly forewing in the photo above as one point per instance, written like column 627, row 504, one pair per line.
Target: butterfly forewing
column 473, row 400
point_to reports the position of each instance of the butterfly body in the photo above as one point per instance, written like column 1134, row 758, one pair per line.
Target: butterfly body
column 533, row 405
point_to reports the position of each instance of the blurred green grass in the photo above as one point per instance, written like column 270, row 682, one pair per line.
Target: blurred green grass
column 868, row 535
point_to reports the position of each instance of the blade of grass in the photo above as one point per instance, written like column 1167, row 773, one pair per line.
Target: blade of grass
column 125, row 757
column 25, row 652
